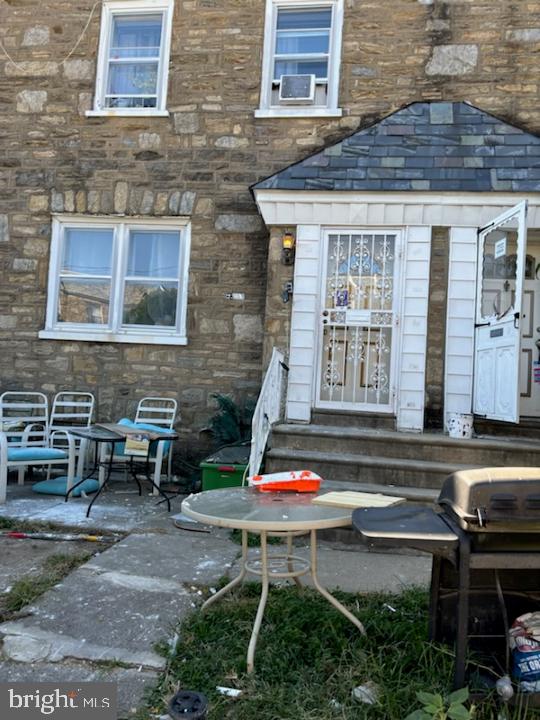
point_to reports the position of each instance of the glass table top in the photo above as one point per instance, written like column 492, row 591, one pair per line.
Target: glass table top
column 249, row 509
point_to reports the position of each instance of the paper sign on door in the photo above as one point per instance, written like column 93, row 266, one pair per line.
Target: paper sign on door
column 358, row 316
column 500, row 248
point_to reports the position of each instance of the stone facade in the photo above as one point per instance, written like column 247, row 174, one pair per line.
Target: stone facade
column 436, row 339
column 200, row 161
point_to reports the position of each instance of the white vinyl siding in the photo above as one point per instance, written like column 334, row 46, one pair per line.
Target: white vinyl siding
column 303, row 350
column 417, row 254
column 459, row 352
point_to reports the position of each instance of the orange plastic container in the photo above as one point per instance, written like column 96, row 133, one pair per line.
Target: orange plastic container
column 293, row 481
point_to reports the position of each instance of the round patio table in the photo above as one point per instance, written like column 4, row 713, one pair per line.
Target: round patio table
column 269, row 514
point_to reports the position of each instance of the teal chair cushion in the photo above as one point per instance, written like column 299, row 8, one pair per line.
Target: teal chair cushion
column 58, row 486
column 36, row 454
column 119, row 447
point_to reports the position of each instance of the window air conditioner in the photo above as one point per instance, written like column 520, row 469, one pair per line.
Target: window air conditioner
column 297, row 89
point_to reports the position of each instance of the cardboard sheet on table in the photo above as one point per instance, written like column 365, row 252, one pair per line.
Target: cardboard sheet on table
column 354, row 499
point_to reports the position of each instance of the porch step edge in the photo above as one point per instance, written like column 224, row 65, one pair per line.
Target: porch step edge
column 392, row 463
column 379, row 434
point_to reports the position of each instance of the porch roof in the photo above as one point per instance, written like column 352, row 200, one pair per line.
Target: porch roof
column 425, row 146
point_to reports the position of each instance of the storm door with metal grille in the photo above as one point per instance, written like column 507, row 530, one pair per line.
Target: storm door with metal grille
column 358, row 321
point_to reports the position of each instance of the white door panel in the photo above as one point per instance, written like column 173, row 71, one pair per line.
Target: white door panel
column 501, row 266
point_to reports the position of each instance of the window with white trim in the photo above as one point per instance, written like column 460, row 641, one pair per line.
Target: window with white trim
column 133, row 58
column 302, row 50
column 118, row 280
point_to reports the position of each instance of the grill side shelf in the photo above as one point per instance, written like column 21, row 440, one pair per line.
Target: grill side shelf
column 406, row 526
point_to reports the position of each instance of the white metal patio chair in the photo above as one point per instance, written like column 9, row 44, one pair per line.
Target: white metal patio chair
column 72, row 409
column 153, row 413
column 25, row 439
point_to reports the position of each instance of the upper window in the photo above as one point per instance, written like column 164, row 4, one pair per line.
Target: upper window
column 301, row 58
column 118, row 280
column 133, row 57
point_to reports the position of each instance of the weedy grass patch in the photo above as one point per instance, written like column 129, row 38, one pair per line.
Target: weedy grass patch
column 309, row 658
column 27, row 589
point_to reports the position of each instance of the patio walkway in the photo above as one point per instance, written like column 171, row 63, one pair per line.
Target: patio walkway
column 103, row 620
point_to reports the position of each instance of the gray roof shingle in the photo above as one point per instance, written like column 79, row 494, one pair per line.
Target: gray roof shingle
column 426, row 145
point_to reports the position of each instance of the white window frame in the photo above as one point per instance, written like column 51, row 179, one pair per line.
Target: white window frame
column 115, row 331
column 331, row 109
column 112, row 8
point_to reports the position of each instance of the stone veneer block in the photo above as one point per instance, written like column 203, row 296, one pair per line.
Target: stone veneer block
column 186, row 123
column 4, row 228
column 31, row 68
column 120, row 196
column 147, row 202
column 149, row 141
column 174, row 202
column 36, row 35
column 528, row 35
column 31, row 101
column 230, row 142
column 79, row 69
column 24, row 265
column 187, row 202
column 453, row 60
column 248, row 328
column 57, row 201
column 231, row 222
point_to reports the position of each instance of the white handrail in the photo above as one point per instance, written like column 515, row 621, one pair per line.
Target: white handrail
column 268, row 409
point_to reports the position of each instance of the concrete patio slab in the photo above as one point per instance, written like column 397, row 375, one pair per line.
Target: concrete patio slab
column 26, row 642
column 131, row 683
column 111, row 610
column 355, row 569
column 118, row 509
column 21, row 558
column 179, row 556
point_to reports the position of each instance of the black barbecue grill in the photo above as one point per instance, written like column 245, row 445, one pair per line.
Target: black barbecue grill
column 485, row 541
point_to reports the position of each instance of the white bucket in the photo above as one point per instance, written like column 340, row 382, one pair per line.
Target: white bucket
column 460, row 425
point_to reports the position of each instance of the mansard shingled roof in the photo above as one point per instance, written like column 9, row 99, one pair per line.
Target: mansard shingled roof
column 425, row 146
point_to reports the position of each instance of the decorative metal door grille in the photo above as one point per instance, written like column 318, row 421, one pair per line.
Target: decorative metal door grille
column 358, row 319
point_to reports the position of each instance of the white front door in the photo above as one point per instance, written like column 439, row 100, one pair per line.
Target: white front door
column 358, row 321
column 501, row 267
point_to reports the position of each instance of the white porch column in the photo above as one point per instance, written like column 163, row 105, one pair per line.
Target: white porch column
column 412, row 357
column 303, row 350
column 460, row 318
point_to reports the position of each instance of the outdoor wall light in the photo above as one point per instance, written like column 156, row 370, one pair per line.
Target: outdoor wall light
column 287, row 245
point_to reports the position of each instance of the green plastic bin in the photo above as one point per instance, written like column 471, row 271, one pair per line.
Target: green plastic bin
column 225, row 468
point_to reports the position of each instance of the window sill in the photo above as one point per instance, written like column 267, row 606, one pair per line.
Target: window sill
column 113, row 337
column 139, row 112
column 298, row 112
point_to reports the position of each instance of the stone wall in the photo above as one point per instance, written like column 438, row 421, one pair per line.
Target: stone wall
column 277, row 321
column 200, row 162
column 436, row 340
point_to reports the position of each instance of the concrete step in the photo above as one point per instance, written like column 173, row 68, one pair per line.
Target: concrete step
column 343, row 418
column 433, row 447
column 357, row 468
column 527, row 428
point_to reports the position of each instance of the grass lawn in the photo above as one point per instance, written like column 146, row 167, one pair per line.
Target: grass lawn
column 309, row 658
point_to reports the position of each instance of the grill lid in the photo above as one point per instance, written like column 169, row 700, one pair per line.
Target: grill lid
column 505, row 498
